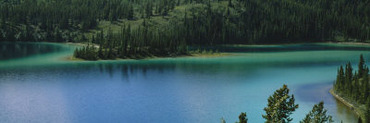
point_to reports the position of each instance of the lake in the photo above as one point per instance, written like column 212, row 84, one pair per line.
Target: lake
column 37, row 84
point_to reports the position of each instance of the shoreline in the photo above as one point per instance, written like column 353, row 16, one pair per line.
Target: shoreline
column 298, row 43
column 81, row 44
column 191, row 54
column 324, row 42
column 353, row 108
column 194, row 55
column 208, row 55
column 349, row 43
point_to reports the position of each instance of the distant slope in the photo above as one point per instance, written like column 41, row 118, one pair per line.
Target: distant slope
column 204, row 22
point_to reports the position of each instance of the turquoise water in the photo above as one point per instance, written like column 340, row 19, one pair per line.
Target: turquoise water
column 43, row 87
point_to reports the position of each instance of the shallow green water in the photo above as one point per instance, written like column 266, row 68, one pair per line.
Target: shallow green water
column 44, row 88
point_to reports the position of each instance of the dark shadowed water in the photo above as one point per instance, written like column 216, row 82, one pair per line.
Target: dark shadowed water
column 42, row 87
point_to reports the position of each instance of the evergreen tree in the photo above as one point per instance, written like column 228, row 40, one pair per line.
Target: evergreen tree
column 354, row 87
column 280, row 106
column 340, row 79
column 317, row 115
column 243, row 117
column 361, row 67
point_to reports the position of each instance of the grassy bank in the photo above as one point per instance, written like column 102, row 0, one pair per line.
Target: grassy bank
column 358, row 109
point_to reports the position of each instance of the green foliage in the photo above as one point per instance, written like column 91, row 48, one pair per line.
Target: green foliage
column 367, row 113
column 340, row 79
column 276, row 21
column 64, row 20
column 317, row 115
column 354, row 87
column 209, row 22
column 243, row 117
column 362, row 67
column 140, row 42
column 169, row 25
column 86, row 52
column 280, row 106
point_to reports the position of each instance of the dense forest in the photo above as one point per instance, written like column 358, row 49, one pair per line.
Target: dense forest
column 355, row 87
column 203, row 21
column 175, row 24
column 139, row 43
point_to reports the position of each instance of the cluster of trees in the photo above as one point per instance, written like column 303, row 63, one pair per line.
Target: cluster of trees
column 86, row 52
column 68, row 20
column 135, row 43
column 278, row 21
column 209, row 21
column 317, row 115
column 354, row 87
column 196, row 22
column 281, row 105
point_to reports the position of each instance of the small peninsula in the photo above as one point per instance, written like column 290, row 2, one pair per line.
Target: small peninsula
column 353, row 89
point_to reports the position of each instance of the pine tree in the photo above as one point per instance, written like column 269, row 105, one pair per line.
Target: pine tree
column 280, row 106
column 361, row 67
column 348, row 79
column 243, row 117
column 340, row 79
column 317, row 115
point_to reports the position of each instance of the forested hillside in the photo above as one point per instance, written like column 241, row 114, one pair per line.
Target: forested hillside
column 355, row 87
column 204, row 22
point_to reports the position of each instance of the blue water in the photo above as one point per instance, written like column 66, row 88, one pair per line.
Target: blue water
column 46, row 88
